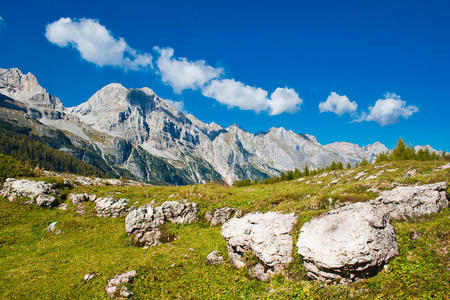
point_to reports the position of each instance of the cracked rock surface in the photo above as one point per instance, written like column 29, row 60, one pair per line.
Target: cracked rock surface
column 266, row 236
column 409, row 202
column 347, row 244
column 37, row 191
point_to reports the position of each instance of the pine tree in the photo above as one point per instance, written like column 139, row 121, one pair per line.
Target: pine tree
column 306, row 171
column 364, row 162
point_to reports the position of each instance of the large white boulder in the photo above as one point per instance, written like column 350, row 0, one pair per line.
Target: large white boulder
column 408, row 202
column 37, row 191
column 348, row 243
column 264, row 236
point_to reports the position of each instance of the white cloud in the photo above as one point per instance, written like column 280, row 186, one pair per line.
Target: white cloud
column 338, row 104
column 284, row 100
column 236, row 94
column 389, row 110
column 95, row 43
column 179, row 105
column 181, row 74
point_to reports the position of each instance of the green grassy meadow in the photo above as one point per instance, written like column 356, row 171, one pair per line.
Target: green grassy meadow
column 36, row 264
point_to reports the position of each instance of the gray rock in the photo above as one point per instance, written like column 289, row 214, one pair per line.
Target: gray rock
column 143, row 224
column 347, row 244
column 214, row 258
column 409, row 202
column 359, row 175
column 62, row 206
column 265, row 236
column 444, row 167
column 118, row 280
column 222, row 215
column 415, row 235
column 180, row 213
column 37, row 191
column 109, row 207
column 78, row 198
column 88, row 277
column 52, row 227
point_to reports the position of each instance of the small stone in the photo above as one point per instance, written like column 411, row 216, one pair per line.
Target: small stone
column 214, row 258
column 52, row 227
column 186, row 256
column 124, row 292
column 62, row 206
column 191, row 249
column 173, row 265
column 118, row 280
column 88, row 277
column 415, row 235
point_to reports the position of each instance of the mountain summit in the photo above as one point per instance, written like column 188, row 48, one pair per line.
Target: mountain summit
column 137, row 134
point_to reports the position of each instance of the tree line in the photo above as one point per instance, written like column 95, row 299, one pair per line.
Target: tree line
column 31, row 153
column 400, row 152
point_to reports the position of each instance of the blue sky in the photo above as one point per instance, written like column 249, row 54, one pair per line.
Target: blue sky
column 379, row 68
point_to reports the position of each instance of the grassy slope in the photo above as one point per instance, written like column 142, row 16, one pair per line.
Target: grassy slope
column 37, row 264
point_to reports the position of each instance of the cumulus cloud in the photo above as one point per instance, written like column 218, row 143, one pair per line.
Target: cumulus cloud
column 181, row 74
column 338, row 104
column 388, row 110
column 96, row 44
column 236, row 94
column 284, row 100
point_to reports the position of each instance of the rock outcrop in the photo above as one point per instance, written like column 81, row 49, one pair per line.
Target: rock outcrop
column 80, row 198
column 144, row 223
column 109, row 207
column 347, row 244
column 116, row 286
column 180, row 213
column 409, row 202
column 38, row 192
column 265, row 237
column 221, row 215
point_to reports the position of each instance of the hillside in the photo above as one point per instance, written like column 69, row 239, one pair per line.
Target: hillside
column 134, row 133
column 40, row 264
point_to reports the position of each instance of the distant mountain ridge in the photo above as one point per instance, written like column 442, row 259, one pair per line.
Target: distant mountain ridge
column 135, row 133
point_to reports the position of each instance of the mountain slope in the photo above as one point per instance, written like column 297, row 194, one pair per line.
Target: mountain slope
column 138, row 134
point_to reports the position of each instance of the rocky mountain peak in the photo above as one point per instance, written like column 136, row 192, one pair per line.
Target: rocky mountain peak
column 137, row 131
column 14, row 80
column 25, row 88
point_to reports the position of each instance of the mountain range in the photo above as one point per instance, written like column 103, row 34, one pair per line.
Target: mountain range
column 136, row 134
